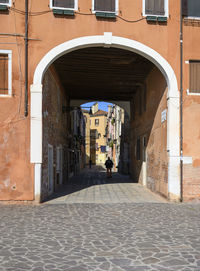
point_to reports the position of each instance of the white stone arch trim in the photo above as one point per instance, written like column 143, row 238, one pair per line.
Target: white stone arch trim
column 107, row 40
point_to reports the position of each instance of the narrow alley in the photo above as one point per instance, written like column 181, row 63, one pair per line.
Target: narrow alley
column 93, row 186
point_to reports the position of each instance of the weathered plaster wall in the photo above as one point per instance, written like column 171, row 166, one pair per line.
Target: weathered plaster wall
column 55, row 124
column 148, row 123
column 191, row 148
column 16, row 173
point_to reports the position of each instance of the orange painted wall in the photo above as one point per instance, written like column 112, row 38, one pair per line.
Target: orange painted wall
column 47, row 31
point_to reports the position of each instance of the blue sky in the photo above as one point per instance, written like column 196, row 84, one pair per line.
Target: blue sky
column 102, row 105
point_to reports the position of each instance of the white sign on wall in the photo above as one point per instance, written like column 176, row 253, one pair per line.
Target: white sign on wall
column 164, row 116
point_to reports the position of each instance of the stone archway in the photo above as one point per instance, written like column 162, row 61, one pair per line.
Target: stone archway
column 108, row 40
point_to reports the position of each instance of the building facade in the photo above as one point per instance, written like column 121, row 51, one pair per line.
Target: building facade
column 118, row 138
column 136, row 54
column 98, row 121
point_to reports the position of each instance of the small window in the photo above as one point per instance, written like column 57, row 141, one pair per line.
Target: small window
column 105, row 5
column 191, row 8
column 64, row 4
column 5, row 2
column 194, row 76
column 155, row 7
column 96, row 122
column 5, row 73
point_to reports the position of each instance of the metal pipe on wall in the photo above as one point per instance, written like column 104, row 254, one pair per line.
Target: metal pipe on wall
column 181, row 101
column 26, row 60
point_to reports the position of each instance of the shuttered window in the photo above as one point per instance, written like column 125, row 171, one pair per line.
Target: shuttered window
column 104, row 5
column 155, row 7
column 191, row 8
column 64, row 4
column 195, row 76
column 3, row 74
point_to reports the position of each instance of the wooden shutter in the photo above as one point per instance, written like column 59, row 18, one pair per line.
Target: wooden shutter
column 149, row 6
column 64, row 3
column 104, row 5
column 185, row 7
column 159, row 7
column 195, row 76
column 194, row 8
column 3, row 74
column 155, row 7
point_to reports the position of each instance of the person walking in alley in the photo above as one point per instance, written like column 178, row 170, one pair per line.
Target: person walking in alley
column 109, row 165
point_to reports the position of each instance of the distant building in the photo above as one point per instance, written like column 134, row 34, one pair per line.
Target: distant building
column 118, row 138
column 86, row 114
column 95, row 135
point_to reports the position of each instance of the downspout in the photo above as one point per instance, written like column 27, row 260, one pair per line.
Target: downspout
column 26, row 60
column 181, row 101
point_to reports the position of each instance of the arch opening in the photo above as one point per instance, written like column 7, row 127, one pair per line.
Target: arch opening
column 122, row 73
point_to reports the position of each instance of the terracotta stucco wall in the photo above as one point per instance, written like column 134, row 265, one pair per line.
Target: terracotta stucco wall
column 16, row 172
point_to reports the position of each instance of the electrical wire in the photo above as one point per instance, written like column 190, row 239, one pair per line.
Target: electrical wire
column 130, row 21
column 38, row 13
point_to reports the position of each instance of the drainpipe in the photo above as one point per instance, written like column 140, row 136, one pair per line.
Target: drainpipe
column 181, row 101
column 26, row 60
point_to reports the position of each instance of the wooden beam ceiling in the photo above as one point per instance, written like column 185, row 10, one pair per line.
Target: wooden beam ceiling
column 102, row 73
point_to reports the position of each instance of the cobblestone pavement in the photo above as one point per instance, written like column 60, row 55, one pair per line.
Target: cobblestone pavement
column 114, row 237
column 124, row 236
column 92, row 186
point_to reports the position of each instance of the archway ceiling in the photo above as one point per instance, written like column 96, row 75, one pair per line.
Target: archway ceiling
column 102, row 73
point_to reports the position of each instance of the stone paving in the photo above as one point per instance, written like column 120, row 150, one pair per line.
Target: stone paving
column 92, row 186
column 127, row 236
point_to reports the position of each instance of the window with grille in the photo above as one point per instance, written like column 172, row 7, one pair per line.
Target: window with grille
column 105, row 5
column 64, row 4
column 191, row 8
column 155, row 7
column 194, row 76
column 4, row 74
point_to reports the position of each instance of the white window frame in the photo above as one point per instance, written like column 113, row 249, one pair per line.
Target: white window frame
column 116, row 8
column 166, row 10
column 75, row 6
column 9, row 53
column 9, row 4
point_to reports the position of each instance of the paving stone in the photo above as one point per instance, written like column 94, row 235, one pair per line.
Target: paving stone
column 139, row 235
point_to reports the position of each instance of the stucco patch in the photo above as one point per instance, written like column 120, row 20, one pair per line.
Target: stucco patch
column 196, row 163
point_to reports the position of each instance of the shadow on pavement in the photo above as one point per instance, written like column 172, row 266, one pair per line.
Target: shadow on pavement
column 86, row 178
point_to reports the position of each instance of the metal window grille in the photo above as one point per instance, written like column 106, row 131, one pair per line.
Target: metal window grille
column 155, row 7
column 3, row 74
